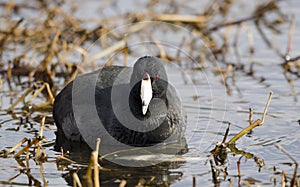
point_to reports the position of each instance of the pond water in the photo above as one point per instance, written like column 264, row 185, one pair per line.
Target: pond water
column 209, row 106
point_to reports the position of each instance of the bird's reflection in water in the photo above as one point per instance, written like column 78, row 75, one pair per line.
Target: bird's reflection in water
column 111, row 174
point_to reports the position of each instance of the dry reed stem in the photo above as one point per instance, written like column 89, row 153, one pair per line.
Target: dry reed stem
column 123, row 183
column 266, row 108
column 76, row 180
column 283, row 179
column 37, row 153
column 249, row 37
column 27, row 156
column 88, row 174
column 162, row 52
column 73, row 76
column 63, row 158
column 250, row 119
column 28, row 91
column 239, row 166
column 74, row 46
column 95, row 155
column 116, row 47
column 32, row 142
column 42, row 175
column 250, row 115
column 44, row 86
column 258, row 122
column 243, row 153
column 226, row 134
column 194, row 181
column 293, row 180
column 96, row 169
column 42, row 126
column 98, row 145
column 181, row 18
column 17, row 145
column 12, row 178
column 138, row 26
column 94, row 164
column 290, row 36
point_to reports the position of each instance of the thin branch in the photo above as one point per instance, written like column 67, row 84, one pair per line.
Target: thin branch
column 266, row 108
column 181, row 18
column 289, row 45
column 258, row 122
column 293, row 159
column 237, row 22
column 76, row 180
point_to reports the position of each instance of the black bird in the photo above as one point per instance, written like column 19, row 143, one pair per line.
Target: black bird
column 135, row 106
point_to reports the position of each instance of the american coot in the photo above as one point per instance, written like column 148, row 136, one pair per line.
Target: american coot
column 136, row 106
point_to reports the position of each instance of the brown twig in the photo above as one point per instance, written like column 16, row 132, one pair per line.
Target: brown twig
column 28, row 91
column 42, row 175
column 181, row 18
column 290, row 36
column 283, row 179
column 226, row 133
column 194, row 181
column 123, row 183
column 293, row 159
column 258, row 122
column 236, row 22
column 32, row 142
column 17, row 145
column 43, row 87
column 250, row 116
column 37, row 153
column 239, row 167
column 76, row 180
column 114, row 48
column 88, row 174
column 95, row 162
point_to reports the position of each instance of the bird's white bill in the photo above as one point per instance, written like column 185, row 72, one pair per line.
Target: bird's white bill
column 146, row 92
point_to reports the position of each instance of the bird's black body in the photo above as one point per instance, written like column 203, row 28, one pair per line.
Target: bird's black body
column 118, row 102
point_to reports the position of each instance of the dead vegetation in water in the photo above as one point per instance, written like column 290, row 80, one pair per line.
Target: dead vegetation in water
column 36, row 52
column 32, row 151
column 40, row 54
column 222, row 149
column 220, row 153
column 42, row 48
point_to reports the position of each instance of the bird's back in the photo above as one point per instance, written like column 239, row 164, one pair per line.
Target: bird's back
column 63, row 104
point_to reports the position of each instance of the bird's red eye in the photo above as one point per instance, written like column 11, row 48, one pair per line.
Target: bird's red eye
column 155, row 78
